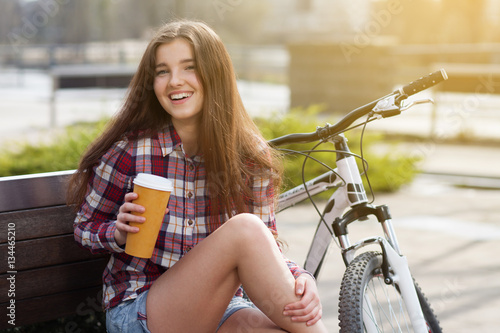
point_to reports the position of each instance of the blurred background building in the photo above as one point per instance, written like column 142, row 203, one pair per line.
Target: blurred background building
column 256, row 21
column 337, row 53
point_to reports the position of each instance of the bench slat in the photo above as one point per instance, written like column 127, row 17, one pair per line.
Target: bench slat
column 40, row 309
column 35, row 223
column 42, row 252
column 33, row 191
column 55, row 279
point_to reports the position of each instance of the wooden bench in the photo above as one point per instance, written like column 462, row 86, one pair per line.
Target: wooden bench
column 44, row 274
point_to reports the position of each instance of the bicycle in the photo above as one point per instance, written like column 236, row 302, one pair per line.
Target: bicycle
column 378, row 292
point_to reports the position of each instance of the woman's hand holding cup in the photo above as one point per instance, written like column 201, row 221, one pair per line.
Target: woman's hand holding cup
column 125, row 216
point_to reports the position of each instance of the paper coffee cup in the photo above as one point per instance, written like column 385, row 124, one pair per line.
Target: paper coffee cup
column 153, row 194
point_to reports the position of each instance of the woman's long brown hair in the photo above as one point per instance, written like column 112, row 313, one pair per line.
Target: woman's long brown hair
column 232, row 146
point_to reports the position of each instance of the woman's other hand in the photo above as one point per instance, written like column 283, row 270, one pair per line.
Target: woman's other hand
column 308, row 309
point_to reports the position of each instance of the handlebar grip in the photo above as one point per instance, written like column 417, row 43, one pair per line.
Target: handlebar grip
column 424, row 82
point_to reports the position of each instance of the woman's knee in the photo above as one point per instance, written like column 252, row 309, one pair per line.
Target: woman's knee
column 247, row 226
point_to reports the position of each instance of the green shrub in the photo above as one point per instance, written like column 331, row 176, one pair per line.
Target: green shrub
column 388, row 172
column 61, row 153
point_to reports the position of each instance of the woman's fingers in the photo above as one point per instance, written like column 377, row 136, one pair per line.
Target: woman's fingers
column 308, row 309
column 125, row 213
column 125, row 216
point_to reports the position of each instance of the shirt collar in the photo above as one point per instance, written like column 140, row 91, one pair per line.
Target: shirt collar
column 169, row 139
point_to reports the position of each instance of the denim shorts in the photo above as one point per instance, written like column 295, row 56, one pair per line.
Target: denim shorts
column 130, row 316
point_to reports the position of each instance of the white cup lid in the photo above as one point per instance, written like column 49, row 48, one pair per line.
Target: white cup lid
column 153, row 182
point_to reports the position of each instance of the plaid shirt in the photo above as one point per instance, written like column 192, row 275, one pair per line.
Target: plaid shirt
column 185, row 226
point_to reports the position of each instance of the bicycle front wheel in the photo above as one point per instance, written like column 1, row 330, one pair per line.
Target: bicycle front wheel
column 368, row 304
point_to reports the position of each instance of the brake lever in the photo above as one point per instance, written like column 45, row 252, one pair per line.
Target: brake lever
column 416, row 102
column 392, row 106
column 387, row 107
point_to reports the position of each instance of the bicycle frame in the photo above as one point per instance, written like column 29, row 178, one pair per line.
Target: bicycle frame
column 351, row 196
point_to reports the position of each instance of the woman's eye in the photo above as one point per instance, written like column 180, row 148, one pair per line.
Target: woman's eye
column 162, row 72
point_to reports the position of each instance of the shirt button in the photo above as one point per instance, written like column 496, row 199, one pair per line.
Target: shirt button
column 190, row 194
column 188, row 248
column 191, row 167
column 190, row 222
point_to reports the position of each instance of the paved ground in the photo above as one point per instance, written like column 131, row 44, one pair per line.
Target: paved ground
column 450, row 235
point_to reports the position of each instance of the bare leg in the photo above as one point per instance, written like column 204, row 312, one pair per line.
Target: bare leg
column 193, row 294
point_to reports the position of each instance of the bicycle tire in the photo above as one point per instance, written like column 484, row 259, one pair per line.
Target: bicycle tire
column 363, row 280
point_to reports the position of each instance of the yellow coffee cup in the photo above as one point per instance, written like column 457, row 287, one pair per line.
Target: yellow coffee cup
column 153, row 194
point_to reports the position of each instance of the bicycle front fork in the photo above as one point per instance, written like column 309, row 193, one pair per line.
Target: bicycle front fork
column 394, row 267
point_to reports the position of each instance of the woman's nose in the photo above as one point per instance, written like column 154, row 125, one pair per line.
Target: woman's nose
column 176, row 79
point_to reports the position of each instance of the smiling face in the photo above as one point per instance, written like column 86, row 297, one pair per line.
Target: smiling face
column 176, row 83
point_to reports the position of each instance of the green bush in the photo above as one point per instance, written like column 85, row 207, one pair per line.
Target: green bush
column 61, row 153
column 388, row 172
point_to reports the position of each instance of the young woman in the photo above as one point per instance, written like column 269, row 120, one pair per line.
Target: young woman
column 183, row 119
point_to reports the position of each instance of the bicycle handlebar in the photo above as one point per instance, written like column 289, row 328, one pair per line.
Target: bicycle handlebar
column 423, row 83
column 328, row 130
